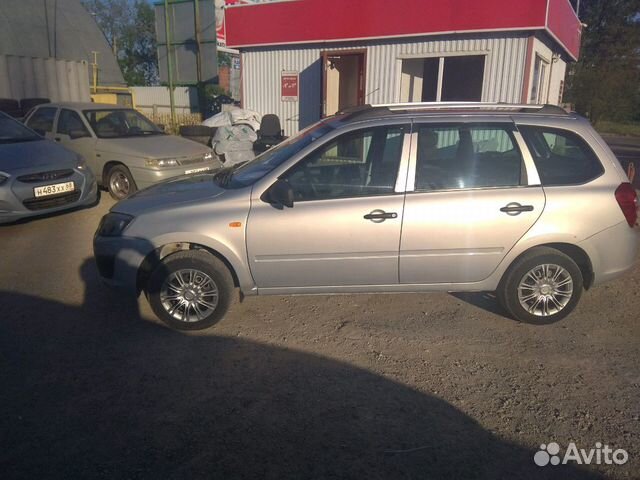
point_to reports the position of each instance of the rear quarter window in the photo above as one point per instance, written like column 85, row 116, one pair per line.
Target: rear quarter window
column 561, row 157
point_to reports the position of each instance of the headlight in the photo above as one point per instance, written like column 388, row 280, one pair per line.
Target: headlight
column 3, row 178
column 81, row 164
column 113, row 224
column 208, row 156
column 161, row 162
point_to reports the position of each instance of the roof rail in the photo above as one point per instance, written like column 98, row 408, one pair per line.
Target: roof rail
column 550, row 109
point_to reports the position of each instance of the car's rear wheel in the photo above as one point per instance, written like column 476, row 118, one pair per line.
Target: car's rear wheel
column 190, row 290
column 543, row 286
column 120, row 182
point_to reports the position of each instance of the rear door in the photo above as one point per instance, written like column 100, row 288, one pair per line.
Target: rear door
column 472, row 194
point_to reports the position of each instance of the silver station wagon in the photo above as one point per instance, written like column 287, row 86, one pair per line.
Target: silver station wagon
column 526, row 201
column 124, row 149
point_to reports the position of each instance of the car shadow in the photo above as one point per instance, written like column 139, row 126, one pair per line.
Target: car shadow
column 98, row 391
column 485, row 300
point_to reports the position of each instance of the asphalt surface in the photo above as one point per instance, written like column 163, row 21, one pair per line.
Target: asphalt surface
column 366, row 386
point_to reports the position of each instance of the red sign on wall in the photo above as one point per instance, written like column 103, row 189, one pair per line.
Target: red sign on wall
column 289, row 86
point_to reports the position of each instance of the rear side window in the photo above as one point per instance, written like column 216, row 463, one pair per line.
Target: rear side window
column 457, row 157
column 561, row 157
column 42, row 119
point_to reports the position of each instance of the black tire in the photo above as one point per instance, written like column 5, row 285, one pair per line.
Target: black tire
column 195, row 131
column 507, row 292
column 120, row 182
column 10, row 107
column 206, row 265
column 26, row 104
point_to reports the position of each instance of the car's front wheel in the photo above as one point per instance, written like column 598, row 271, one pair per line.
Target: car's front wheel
column 543, row 286
column 120, row 182
column 190, row 290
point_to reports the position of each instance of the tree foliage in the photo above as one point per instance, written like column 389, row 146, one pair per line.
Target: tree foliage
column 605, row 83
column 129, row 27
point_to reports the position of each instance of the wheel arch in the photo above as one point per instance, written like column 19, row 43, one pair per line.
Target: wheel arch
column 577, row 254
column 107, row 167
column 153, row 258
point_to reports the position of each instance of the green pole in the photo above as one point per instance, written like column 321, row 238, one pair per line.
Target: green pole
column 169, row 64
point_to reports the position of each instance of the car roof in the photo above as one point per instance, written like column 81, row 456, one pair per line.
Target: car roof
column 84, row 106
column 449, row 109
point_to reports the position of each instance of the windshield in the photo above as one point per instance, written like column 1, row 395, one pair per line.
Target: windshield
column 246, row 174
column 120, row 123
column 12, row 131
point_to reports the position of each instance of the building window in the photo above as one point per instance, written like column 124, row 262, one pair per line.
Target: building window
column 540, row 69
column 442, row 79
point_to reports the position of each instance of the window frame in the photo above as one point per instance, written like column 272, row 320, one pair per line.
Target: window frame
column 399, row 187
column 441, row 56
column 528, row 172
column 84, row 125
column 584, row 142
column 54, row 121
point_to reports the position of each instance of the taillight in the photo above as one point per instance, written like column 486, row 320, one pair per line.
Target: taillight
column 628, row 201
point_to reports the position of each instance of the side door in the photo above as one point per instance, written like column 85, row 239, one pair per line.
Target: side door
column 42, row 121
column 72, row 132
column 472, row 193
column 344, row 226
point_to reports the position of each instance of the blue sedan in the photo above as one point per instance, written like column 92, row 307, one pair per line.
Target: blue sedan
column 37, row 176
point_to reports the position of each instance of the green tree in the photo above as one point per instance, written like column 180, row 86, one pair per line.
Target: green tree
column 129, row 27
column 604, row 83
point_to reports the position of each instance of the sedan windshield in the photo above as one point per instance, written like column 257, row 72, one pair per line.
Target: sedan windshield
column 12, row 131
column 120, row 123
column 246, row 174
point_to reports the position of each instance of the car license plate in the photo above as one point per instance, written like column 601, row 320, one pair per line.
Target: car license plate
column 54, row 189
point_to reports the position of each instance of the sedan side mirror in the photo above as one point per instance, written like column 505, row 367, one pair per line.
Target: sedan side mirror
column 280, row 194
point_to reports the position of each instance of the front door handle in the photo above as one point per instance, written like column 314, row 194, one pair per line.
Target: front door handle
column 514, row 208
column 379, row 216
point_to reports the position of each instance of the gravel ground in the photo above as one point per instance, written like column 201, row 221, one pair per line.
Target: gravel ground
column 367, row 386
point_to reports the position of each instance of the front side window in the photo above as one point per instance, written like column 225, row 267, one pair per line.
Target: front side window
column 120, row 123
column 42, row 119
column 356, row 164
column 458, row 157
column 561, row 157
column 70, row 121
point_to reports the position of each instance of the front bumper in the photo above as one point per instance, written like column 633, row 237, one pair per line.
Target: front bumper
column 147, row 176
column 119, row 260
column 13, row 194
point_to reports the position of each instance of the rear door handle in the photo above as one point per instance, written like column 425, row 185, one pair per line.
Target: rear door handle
column 514, row 208
column 379, row 216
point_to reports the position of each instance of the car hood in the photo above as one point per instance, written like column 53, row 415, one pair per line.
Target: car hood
column 35, row 154
column 179, row 190
column 154, row 146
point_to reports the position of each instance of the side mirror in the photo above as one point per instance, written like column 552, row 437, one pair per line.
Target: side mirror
column 280, row 194
column 73, row 134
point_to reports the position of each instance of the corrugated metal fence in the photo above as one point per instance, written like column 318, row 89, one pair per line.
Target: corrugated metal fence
column 29, row 77
column 155, row 100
